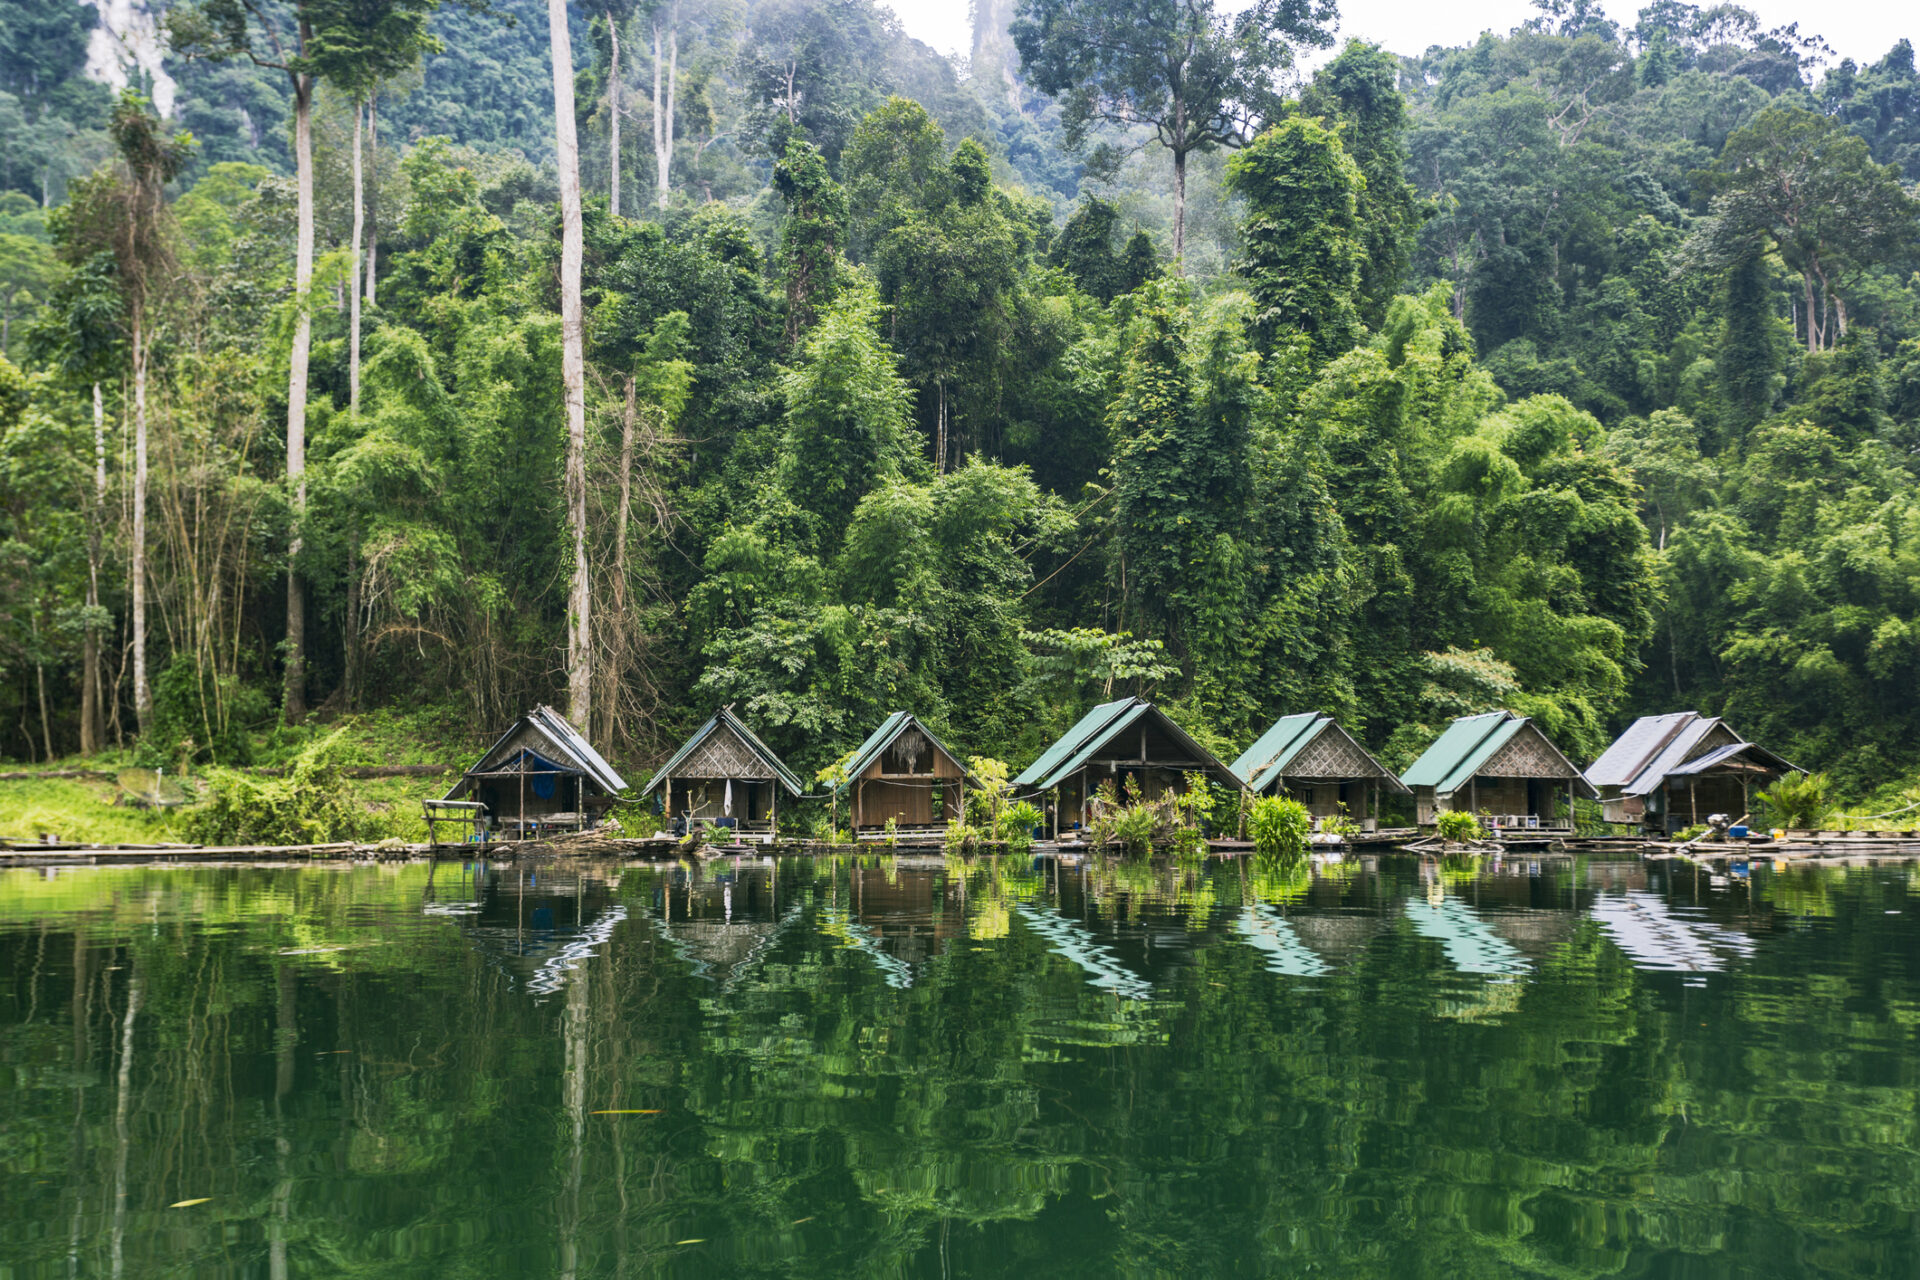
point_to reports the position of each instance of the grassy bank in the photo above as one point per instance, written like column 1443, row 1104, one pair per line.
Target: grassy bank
column 95, row 810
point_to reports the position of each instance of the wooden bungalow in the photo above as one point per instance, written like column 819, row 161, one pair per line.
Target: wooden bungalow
column 1497, row 763
column 538, row 777
column 1311, row 756
column 1116, row 741
column 1671, row 771
column 905, row 774
column 725, row 776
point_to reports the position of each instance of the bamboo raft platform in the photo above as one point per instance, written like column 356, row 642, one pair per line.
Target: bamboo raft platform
column 1821, row 848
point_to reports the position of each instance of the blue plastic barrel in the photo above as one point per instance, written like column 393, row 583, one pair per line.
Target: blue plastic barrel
column 1738, row 833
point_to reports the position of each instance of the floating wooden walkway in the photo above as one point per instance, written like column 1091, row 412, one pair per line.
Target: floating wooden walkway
column 1832, row 850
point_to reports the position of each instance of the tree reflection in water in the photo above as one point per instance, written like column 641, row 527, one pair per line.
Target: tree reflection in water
column 868, row 1066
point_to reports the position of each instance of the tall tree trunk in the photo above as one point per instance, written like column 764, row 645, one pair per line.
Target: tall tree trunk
column 616, row 627
column 940, row 430
column 294, row 700
column 1813, row 312
column 663, row 111
column 137, row 569
column 373, row 197
column 92, row 730
column 351, row 678
column 1179, row 207
column 613, row 116
column 46, row 721
column 353, row 279
column 572, row 366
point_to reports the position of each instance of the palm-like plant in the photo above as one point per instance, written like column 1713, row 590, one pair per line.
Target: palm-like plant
column 1797, row 800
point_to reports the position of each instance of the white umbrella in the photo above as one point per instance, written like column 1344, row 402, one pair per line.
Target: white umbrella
column 726, row 805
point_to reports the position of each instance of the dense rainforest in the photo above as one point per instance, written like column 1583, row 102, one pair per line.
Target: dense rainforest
column 1576, row 371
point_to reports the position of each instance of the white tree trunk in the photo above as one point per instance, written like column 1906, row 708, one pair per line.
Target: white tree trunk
column 91, row 719
column 353, row 307
column 142, row 688
column 613, row 116
column 294, row 704
column 572, row 366
column 663, row 109
column 373, row 223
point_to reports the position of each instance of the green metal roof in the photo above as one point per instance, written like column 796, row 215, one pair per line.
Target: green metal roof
column 1502, row 734
column 724, row 716
column 1258, row 763
column 880, row 739
column 1091, row 745
column 1071, row 740
column 1271, row 759
column 1096, row 729
column 1466, row 746
column 1460, row 740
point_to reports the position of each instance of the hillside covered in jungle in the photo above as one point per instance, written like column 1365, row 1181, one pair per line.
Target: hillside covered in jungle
column 1574, row 371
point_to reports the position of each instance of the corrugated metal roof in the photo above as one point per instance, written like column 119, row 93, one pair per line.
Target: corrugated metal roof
column 1271, row 758
column 1279, row 743
column 578, row 751
column 558, row 727
column 725, row 716
column 1071, row 740
column 1621, row 762
column 1451, row 747
column 1670, row 756
column 1097, row 728
column 882, row 738
column 1720, row 755
column 1471, row 764
column 1094, row 743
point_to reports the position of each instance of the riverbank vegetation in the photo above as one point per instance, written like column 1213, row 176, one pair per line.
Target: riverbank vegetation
column 1497, row 376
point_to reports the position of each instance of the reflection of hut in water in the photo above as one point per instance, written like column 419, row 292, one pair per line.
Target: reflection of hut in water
column 1340, row 938
column 1274, row 935
column 904, row 774
column 1469, row 942
column 1535, row 932
column 722, row 926
column 1654, row 936
column 725, row 776
column 1670, row 771
column 539, row 775
column 1116, row 741
column 1498, row 763
column 532, row 923
column 1310, row 755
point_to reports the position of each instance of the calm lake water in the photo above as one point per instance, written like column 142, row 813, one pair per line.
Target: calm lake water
column 878, row 1069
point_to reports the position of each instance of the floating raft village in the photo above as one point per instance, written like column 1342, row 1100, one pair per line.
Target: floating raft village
column 542, row 786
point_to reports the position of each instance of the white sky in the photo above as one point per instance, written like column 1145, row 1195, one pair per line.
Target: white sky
column 1859, row 29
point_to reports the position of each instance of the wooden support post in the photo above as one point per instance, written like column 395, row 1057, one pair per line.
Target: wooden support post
column 1693, row 802
column 773, row 808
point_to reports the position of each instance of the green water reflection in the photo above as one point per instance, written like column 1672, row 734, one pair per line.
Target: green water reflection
column 877, row 1069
